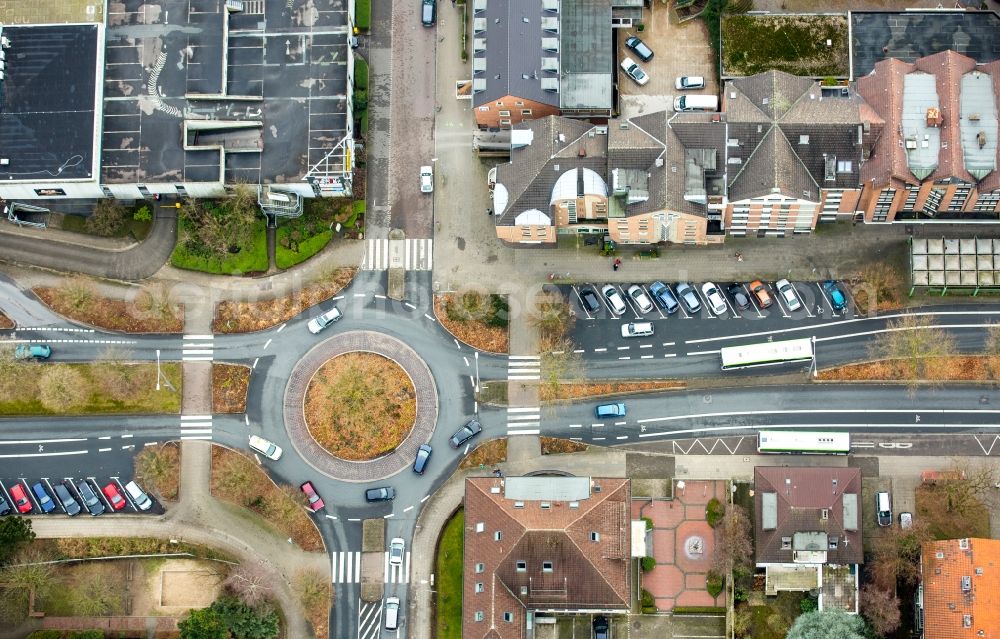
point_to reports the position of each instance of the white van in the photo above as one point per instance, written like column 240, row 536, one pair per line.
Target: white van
column 391, row 613
column 140, row 498
column 696, row 103
column 637, row 329
column 883, row 506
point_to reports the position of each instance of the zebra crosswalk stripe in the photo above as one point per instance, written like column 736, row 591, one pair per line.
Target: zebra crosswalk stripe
column 418, row 255
column 196, row 427
column 345, row 567
column 397, row 574
column 524, row 367
column 524, row 420
column 198, row 348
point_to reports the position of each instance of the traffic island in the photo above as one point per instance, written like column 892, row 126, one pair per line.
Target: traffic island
column 401, row 455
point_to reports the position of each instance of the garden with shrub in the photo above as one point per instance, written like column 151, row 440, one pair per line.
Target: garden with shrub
column 360, row 98
column 478, row 319
column 113, row 218
column 300, row 238
column 225, row 237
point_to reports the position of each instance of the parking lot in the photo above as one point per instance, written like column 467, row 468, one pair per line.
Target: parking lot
column 10, row 492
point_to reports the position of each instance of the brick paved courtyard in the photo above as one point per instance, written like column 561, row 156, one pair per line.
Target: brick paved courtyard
column 682, row 543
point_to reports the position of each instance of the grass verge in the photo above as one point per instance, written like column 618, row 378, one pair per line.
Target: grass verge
column 448, row 567
column 158, row 470
column 288, row 252
column 238, row 480
column 360, row 406
column 478, row 320
column 246, row 317
column 959, row 368
column 229, row 387
column 87, row 389
column 363, row 14
column 555, row 446
column 251, row 259
column 315, row 592
column 486, row 454
column 151, row 311
column 579, row 390
column 91, row 547
column 5, row 322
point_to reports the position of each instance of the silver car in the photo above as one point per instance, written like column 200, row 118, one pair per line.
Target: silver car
column 714, row 297
column 788, row 294
column 689, row 297
column 640, row 298
column 317, row 324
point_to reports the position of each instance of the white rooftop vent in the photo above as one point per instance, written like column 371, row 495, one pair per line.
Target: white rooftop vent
column 5, row 43
column 479, row 25
column 550, row 84
column 478, row 44
column 550, row 44
column 550, row 24
column 550, row 5
column 550, row 64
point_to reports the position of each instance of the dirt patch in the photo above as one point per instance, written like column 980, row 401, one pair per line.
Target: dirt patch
column 555, row 446
column 486, row 454
column 229, row 387
column 795, row 44
column 5, row 322
column 480, row 329
column 247, row 317
column 360, row 406
column 189, row 588
column 944, row 369
column 240, row 481
column 151, row 311
column 158, row 469
column 553, row 392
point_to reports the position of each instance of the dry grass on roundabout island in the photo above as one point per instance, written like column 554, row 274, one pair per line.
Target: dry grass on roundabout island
column 360, row 406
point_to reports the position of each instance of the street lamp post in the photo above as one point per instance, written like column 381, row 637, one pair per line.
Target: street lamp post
column 814, row 366
column 157, row 369
column 477, row 370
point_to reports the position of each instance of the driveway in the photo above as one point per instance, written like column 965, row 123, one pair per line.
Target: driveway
column 679, row 49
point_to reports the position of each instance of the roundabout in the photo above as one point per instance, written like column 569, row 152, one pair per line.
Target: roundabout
column 395, row 458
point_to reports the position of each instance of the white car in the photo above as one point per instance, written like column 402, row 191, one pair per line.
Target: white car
column 788, row 294
column 689, row 82
column 317, row 324
column 426, row 179
column 634, row 71
column 715, row 298
column 640, row 298
column 614, row 299
column 266, row 448
column 396, row 547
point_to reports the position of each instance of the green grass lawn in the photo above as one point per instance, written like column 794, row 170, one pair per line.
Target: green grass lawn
column 300, row 238
column 103, row 397
column 360, row 72
column 363, row 14
column 252, row 260
column 774, row 620
column 287, row 258
column 448, row 572
column 794, row 44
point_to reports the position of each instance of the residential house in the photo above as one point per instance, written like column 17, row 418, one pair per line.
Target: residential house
column 936, row 157
column 794, row 152
column 959, row 597
column 543, row 545
column 654, row 178
column 535, row 58
column 808, row 531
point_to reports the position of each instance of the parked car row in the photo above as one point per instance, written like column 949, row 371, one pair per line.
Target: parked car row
column 718, row 300
column 72, row 497
column 315, row 503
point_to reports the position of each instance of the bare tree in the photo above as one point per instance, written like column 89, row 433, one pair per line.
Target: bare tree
column 61, row 388
column 991, row 350
column 914, row 342
column 77, row 292
column 877, row 283
column 250, row 582
column 561, row 365
column 96, row 593
column 881, row 609
column 157, row 301
column 734, row 547
column 108, row 219
column 897, row 555
column 158, row 469
column 313, row 588
column 553, row 317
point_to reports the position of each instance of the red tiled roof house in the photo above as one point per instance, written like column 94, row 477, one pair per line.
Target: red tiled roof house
column 960, row 594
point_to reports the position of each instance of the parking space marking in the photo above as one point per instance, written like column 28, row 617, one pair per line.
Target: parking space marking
column 656, row 306
column 753, row 300
column 579, row 300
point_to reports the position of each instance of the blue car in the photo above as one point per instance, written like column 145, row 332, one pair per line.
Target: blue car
column 837, row 298
column 44, row 501
column 664, row 297
column 610, row 410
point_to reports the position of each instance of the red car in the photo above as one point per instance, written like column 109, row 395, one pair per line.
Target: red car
column 315, row 501
column 111, row 492
column 20, row 499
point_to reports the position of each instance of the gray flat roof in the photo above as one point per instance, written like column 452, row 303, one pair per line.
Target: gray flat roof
column 909, row 35
column 47, row 102
column 922, row 142
column 587, row 55
column 978, row 125
column 291, row 63
column 547, row 488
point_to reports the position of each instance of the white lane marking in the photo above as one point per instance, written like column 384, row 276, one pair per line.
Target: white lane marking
column 466, row 360
column 623, row 348
column 359, row 295
column 691, row 353
column 105, row 437
column 523, row 432
column 104, row 450
column 255, row 360
column 246, row 419
column 513, row 418
column 646, row 346
column 670, row 355
column 579, row 350
column 813, row 411
column 198, row 351
column 196, row 437
column 622, row 437
column 193, row 417
column 408, row 509
column 534, row 409
column 425, row 498
column 379, row 297
column 389, row 516
column 281, row 328
column 46, row 441
column 268, row 343
column 522, row 377
column 196, row 337
column 626, row 357
column 576, row 425
column 646, row 357
column 716, row 429
column 534, row 357
column 148, row 444
column 667, row 344
column 620, row 423
column 60, row 454
column 409, row 306
column 338, row 297
column 900, row 328
column 457, row 345
column 600, row 350
column 331, row 517
column 128, row 436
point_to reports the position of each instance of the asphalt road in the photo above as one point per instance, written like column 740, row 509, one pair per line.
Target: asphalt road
column 103, row 447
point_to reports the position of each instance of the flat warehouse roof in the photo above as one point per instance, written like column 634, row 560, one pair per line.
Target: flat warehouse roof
column 47, row 102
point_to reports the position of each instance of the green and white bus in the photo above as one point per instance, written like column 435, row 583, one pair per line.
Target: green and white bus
column 787, row 441
column 767, row 353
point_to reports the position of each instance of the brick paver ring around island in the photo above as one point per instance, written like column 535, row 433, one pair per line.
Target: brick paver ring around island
column 386, row 465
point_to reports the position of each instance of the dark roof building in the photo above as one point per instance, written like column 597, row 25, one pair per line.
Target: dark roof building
column 543, row 544
column 48, row 106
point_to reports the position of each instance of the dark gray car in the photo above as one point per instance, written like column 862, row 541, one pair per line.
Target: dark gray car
column 382, row 493
column 91, row 502
column 689, row 297
column 67, row 500
column 640, row 48
column 465, row 433
column 423, row 454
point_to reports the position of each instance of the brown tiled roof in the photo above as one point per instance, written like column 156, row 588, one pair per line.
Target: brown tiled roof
column 947, row 605
column 584, row 575
column 801, row 494
column 948, row 68
column 882, row 89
